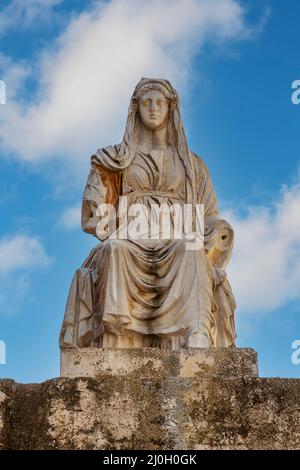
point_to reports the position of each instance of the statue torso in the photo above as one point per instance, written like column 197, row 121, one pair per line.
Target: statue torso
column 157, row 172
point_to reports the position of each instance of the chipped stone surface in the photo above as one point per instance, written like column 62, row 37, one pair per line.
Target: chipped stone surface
column 245, row 413
column 154, row 362
column 221, row 362
column 97, row 362
column 3, row 399
column 181, row 407
column 6, row 392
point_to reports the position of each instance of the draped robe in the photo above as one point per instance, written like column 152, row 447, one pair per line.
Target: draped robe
column 134, row 293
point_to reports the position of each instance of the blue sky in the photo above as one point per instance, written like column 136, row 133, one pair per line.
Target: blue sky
column 69, row 68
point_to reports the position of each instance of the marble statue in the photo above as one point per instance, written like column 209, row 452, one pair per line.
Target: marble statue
column 151, row 292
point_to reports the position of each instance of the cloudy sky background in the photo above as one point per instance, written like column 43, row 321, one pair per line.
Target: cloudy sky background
column 70, row 68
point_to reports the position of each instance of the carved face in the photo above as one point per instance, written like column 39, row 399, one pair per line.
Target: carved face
column 153, row 110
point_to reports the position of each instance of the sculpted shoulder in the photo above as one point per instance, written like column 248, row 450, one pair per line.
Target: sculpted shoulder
column 104, row 153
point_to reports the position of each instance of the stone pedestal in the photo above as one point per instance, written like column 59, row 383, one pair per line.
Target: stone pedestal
column 157, row 363
column 152, row 399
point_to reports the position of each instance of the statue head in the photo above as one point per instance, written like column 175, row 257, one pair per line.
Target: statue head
column 153, row 109
column 152, row 103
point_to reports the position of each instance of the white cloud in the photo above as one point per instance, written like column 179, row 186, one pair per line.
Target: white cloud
column 265, row 268
column 24, row 14
column 71, row 217
column 21, row 252
column 86, row 78
column 19, row 256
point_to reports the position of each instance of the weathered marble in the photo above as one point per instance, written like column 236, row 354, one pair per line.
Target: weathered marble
column 151, row 413
column 154, row 362
column 150, row 285
column 153, row 399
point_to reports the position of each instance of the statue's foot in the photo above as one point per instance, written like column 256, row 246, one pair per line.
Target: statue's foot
column 198, row 339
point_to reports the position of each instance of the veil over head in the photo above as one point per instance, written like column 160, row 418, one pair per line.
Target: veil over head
column 118, row 157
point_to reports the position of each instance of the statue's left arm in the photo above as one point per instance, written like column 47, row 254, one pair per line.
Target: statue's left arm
column 218, row 243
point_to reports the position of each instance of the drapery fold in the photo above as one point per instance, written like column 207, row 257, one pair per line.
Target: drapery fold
column 131, row 292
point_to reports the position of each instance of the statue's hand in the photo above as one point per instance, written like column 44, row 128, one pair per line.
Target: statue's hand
column 223, row 239
column 219, row 244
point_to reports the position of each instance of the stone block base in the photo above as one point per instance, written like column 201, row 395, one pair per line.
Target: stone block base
column 158, row 363
column 170, row 403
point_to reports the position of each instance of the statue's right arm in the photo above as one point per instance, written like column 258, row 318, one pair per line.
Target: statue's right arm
column 102, row 187
column 94, row 194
